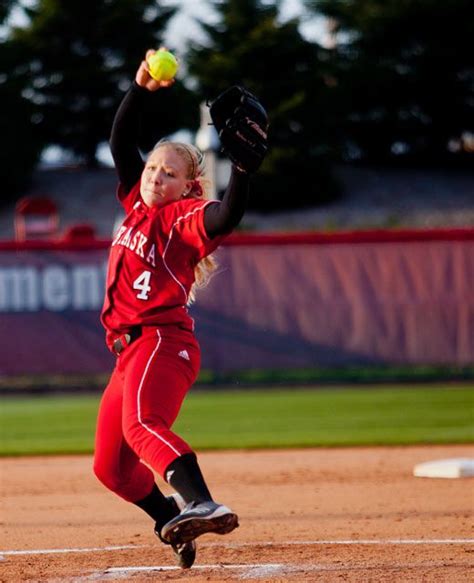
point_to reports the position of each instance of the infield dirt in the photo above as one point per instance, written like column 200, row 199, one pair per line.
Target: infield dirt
column 345, row 514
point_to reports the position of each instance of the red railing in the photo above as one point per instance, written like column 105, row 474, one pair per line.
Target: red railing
column 304, row 238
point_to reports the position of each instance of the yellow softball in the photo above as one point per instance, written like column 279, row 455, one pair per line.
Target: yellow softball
column 162, row 65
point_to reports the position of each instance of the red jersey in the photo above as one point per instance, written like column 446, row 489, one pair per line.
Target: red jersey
column 151, row 263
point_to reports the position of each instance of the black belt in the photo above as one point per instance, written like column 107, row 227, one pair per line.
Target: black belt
column 123, row 341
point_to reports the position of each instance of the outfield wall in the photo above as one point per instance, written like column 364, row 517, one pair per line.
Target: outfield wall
column 305, row 300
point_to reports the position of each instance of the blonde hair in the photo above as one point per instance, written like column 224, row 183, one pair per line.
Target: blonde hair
column 195, row 166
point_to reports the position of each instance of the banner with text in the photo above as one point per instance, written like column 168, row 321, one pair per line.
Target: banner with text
column 271, row 305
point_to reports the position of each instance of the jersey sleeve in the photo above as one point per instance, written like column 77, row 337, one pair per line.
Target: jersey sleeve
column 128, row 199
column 189, row 227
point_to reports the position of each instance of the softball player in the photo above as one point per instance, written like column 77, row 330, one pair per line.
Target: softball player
column 159, row 254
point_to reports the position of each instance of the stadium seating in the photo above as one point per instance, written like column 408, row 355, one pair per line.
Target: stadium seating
column 36, row 217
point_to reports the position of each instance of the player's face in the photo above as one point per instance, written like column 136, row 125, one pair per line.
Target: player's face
column 164, row 178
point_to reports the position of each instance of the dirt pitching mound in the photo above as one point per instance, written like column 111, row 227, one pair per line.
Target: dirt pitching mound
column 345, row 514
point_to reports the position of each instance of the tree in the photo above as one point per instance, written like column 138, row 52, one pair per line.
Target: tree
column 5, row 7
column 21, row 145
column 80, row 57
column 405, row 74
column 250, row 46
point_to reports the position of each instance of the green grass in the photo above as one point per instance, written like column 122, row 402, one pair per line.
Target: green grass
column 260, row 418
column 372, row 374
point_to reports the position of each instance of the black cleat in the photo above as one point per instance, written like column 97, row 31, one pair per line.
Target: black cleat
column 185, row 552
column 197, row 519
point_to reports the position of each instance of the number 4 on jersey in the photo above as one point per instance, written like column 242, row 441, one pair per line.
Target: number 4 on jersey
column 142, row 283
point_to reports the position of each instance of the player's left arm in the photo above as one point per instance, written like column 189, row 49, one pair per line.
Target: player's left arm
column 242, row 123
column 221, row 218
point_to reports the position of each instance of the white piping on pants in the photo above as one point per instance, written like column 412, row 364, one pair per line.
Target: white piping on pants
column 139, row 412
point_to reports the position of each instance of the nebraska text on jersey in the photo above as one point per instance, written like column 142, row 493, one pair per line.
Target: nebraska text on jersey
column 135, row 241
column 151, row 263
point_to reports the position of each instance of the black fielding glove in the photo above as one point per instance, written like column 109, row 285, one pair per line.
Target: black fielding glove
column 242, row 124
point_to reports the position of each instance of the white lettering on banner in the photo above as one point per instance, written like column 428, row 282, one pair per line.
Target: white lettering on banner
column 87, row 287
column 53, row 288
column 19, row 290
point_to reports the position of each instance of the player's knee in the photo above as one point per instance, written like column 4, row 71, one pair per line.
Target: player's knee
column 101, row 473
column 106, row 474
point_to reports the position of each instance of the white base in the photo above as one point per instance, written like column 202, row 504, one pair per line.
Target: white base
column 451, row 468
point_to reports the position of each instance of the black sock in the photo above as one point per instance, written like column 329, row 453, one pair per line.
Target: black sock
column 186, row 478
column 157, row 506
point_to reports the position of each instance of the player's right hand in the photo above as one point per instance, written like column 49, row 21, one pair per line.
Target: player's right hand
column 144, row 79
